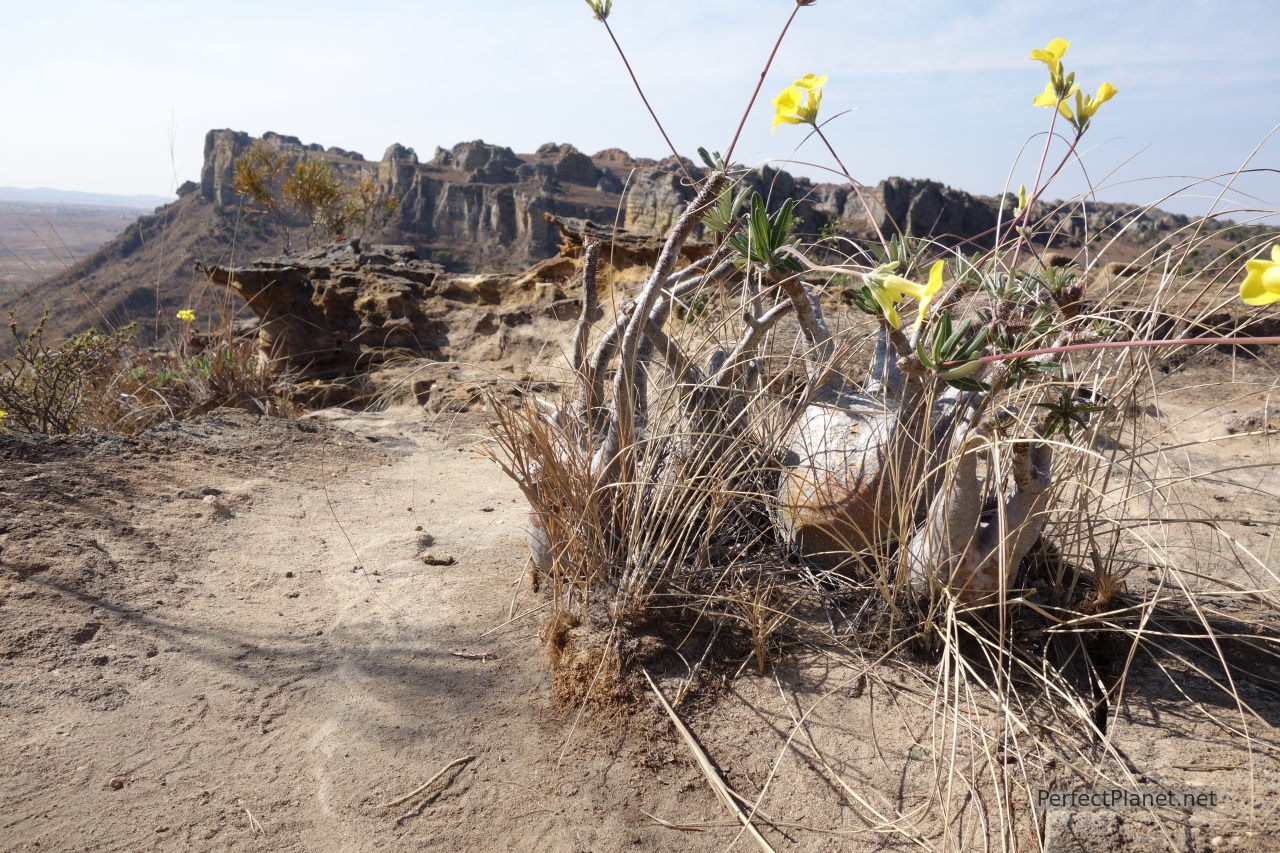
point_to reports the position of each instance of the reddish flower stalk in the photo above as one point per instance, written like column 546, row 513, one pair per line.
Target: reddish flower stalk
column 728, row 157
column 1150, row 342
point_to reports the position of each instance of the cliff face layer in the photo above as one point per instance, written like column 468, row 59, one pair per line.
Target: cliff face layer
column 476, row 207
column 480, row 206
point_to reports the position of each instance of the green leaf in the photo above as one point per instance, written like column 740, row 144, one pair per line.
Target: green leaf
column 968, row 383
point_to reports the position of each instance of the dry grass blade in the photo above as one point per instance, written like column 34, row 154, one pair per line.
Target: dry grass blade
column 717, row 784
column 254, row 825
column 682, row 827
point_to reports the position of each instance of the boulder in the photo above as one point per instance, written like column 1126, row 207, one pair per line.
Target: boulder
column 568, row 164
column 340, row 308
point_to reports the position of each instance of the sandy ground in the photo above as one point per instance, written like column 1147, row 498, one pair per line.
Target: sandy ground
column 223, row 635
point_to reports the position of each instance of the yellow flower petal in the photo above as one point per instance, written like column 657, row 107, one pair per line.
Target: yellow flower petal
column 1052, row 53
column 1105, row 93
column 903, row 287
column 811, row 103
column 787, row 106
column 1057, row 47
column 1047, row 98
column 811, row 82
column 1261, row 285
column 886, row 300
column 930, row 290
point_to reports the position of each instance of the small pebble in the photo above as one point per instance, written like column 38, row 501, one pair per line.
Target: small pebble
column 116, row 783
column 288, row 574
column 486, row 509
column 433, row 560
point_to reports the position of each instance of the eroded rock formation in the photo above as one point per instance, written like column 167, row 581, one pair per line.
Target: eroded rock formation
column 341, row 309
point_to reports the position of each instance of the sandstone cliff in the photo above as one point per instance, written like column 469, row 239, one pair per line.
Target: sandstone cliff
column 482, row 207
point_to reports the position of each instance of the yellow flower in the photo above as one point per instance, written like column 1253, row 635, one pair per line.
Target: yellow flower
column 186, row 315
column 889, row 289
column 1261, row 285
column 1049, row 98
column 3, row 414
column 787, row 107
column 1086, row 107
column 1052, row 54
column 930, row 290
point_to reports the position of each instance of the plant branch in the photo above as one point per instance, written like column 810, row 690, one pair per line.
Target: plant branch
column 590, row 299
column 857, row 188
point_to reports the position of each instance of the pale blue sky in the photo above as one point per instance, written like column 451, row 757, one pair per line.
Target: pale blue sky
column 117, row 97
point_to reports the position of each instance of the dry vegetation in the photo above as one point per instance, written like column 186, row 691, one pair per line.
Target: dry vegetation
column 740, row 489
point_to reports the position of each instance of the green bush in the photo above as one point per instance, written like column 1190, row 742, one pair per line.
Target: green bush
column 53, row 389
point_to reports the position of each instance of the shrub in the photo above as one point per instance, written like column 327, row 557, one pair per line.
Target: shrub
column 93, row 382
column 311, row 192
column 55, row 389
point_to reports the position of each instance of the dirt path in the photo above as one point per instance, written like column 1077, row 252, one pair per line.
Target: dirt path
column 223, row 636
column 226, row 638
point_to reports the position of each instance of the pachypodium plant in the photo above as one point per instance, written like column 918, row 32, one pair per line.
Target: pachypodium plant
column 936, row 457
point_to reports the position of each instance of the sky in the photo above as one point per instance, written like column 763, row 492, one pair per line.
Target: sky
column 116, row 97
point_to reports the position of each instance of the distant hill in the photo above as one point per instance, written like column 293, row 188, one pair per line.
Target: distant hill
column 45, row 195
column 41, row 239
column 482, row 207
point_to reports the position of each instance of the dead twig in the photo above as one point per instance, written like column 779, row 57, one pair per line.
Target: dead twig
column 474, row 655
column 682, row 827
column 457, row 762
